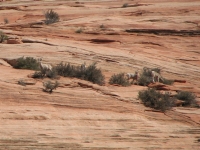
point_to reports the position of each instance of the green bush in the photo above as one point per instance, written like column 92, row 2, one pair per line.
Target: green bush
column 119, row 79
column 3, row 37
column 50, row 86
column 144, row 80
column 187, row 97
column 27, row 63
column 154, row 99
column 90, row 73
column 66, row 70
column 51, row 17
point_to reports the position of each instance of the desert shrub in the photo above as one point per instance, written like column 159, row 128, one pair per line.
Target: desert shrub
column 146, row 77
column 52, row 73
column 125, row 5
column 155, row 99
column 27, row 63
column 168, row 82
column 3, row 37
column 187, row 97
column 50, row 86
column 79, row 30
column 51, row 17
column 119, row 79
column 38, row 74
column 93, row 74
column 102, row 26
column 48, row 73
column 66, row 70
column 90, row 73
column 6, row 21
column 21, row 82
column 144, row 80
column 147, row 71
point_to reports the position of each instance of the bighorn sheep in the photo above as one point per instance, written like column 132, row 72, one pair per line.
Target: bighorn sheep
column 133, row 76
column 156, row 75
column 45, row 68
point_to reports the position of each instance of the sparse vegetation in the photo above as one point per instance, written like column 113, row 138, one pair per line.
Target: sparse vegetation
column 51, row 17
column 155, row 99
column 187, row 97
column 144, row 80
column 6, row 21
column 38, row 74
column 3, row 37
column 93, row 74
column 125, row 5
column 52, row 73
column 21, row 82
column 146, row 77
column 119, row 79
column 80, row 30
column 90, row 73
column 27, row 63
column 48, row 73
column 102, row 26
column 168, row 82
column 50, row 86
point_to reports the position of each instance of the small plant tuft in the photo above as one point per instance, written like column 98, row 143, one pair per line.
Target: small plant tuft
column 102, row 26
column 6, row 21
column 125, row 5
column 155, row 99
column 38, row 74
column 27, row 63
column 21, row 82
column 80, row 30
column 3, row 37
column 50, row 86
column 167, row 82
column 119, row 79
column 187, row 97
column 51, row 17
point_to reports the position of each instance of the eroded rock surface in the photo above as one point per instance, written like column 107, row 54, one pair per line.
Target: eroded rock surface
column 83, row 116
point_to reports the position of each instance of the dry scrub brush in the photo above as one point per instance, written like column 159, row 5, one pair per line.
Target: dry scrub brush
column 155, row 99
column 90, row 73
column 146, row 77
column 50, row 86
column 27, row 63
column 119, row 79
column 3, row 37
column 51, row 17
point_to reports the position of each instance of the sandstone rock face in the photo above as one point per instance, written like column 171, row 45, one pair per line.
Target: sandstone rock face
column 14, row 41
column 119, row 37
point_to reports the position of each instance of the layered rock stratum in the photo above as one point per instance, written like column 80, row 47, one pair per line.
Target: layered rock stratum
column 80, row 115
